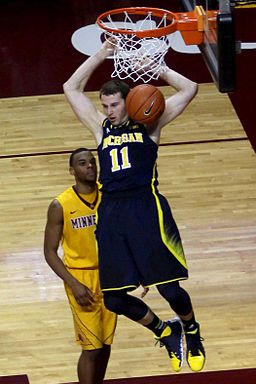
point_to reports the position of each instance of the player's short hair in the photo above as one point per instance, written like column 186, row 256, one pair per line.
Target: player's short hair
column 75, row 152
column 115, row 86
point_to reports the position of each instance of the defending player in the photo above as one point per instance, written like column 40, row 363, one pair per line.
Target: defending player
column 71, row 221
column 138, row 239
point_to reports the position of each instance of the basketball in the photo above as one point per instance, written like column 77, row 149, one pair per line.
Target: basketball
column 145, row 103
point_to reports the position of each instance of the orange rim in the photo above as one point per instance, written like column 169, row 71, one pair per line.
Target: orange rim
column 157, row 32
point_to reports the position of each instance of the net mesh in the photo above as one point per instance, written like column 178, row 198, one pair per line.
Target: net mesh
column 134, row 57
column 139, row 60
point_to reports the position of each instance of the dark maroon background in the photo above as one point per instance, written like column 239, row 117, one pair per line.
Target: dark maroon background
column 36, row 55
column 236, row 376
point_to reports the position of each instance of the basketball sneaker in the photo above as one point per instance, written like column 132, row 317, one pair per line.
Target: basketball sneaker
column 172, row 339
column 195, row 353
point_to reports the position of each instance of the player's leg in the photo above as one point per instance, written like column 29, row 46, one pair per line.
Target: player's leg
column 94, row 327
column 156, row 263
column 86, row 367
column 168, row 333
column 172, row 259
column 179, row 300
column 102, row 363
column 92, row 364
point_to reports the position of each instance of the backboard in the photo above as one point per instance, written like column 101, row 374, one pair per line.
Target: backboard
column 219, row 47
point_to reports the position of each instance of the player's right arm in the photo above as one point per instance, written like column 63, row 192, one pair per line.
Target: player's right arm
column 52, row 237
column 81, row 104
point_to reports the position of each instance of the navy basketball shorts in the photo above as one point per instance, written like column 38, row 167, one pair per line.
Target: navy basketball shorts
column 138, row 242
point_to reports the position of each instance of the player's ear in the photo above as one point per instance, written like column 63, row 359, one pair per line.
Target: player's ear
column 71, row 171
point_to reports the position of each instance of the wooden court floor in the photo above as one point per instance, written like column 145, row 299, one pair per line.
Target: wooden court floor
column 208, row 173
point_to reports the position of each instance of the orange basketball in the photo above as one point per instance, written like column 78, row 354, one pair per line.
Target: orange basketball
column 145, row 103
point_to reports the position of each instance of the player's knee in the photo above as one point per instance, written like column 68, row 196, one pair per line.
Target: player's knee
column 113, row 303
column 176, row 296
column 89, row 355
column 170, row 291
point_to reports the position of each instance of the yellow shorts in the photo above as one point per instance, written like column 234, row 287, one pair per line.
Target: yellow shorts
column 94, row 324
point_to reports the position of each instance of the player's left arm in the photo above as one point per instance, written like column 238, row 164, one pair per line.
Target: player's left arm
column 52, row 238
column 185, row 91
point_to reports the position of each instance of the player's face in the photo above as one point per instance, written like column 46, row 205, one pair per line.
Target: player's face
column 114, row 108
column 84, row 167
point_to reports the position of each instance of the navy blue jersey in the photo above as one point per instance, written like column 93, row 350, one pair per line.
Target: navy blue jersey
column 127, row 157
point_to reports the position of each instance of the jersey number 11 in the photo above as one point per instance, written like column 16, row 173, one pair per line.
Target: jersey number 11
column 119, row 159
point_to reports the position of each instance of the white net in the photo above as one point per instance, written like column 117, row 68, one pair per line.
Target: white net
column 137, row 58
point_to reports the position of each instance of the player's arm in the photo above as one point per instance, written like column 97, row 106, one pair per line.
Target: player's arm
column 81, row 104
column 185, row 91
column 52, row 237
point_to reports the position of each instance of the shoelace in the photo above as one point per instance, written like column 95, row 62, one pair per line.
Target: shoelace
column 161, row 344
column 158, row 341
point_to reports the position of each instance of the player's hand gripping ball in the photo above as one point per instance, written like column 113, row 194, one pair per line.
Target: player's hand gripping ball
column 145, row 103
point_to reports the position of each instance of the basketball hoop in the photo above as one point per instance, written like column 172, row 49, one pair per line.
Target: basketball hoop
column 140, row 35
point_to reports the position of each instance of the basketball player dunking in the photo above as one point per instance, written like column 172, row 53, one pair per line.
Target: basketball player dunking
column 138, row 240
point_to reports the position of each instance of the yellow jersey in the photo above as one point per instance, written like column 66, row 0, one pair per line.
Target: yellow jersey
column 78, row 239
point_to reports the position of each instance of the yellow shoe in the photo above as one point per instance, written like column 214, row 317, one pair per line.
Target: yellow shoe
column 172, row 339
column 195, row 350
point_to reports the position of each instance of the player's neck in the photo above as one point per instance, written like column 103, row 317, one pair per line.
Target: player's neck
column 85, row 188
